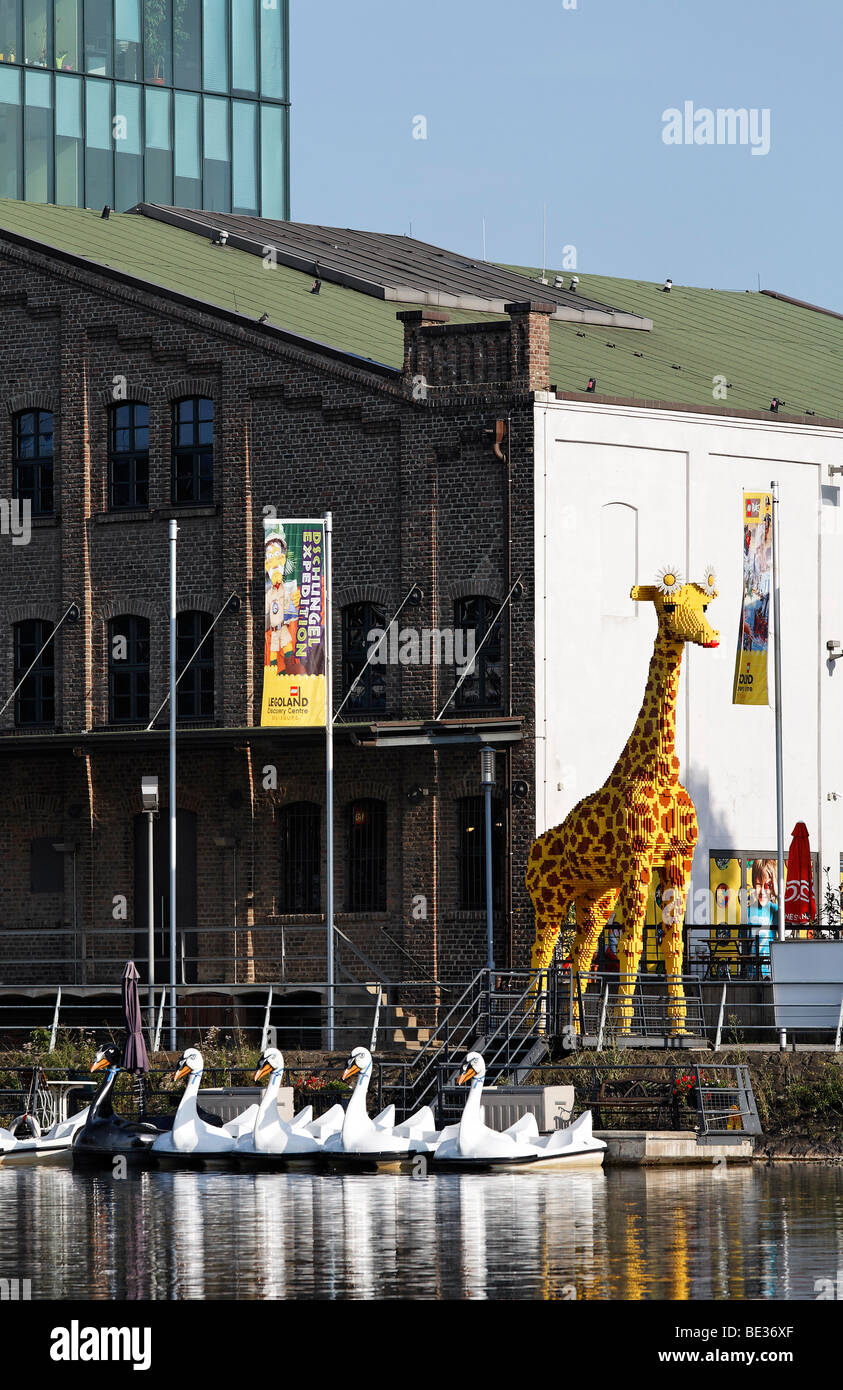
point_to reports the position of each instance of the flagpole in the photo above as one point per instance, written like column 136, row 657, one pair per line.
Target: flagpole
column 777, row 661
column 174, row 530
column 329, row 780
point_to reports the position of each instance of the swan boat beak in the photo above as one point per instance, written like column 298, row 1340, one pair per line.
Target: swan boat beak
column 467, row 1075
column 350, row 1071
column 182, row 1071
column 263, row 1071
column 100, row 1065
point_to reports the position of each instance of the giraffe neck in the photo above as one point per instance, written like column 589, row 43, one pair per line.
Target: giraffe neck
column 650, row 751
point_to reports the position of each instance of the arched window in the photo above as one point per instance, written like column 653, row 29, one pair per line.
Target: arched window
column 128, row 670
column 193, row 450
column 128, row 456
column 365, row 879
column 32, row 459
column 358, row 620
column 301, row 857
column 35, row 702
column 195, row 693
column 471, row 852
column 482, row 689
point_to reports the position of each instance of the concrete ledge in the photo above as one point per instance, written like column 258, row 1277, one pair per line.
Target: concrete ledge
column 665, row 1147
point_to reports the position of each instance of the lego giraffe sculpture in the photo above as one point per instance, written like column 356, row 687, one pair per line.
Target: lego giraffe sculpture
column 641, row 821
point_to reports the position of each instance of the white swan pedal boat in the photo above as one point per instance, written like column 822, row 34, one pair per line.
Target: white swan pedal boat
column 366, row 1143
column 192, row 1141
column 276, row 1143
column 53, row 1145
column 472, row 1145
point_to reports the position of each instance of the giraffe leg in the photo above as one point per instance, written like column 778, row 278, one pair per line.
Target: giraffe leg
column 675, row 875
column 593, row 911
column 633, row 906
column 548, row 927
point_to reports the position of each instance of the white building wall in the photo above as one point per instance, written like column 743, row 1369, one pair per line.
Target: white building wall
column 684, row 475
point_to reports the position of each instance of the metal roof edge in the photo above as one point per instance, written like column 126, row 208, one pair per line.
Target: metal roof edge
column 802, row 304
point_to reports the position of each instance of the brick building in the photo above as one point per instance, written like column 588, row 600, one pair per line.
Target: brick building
column 211, row 368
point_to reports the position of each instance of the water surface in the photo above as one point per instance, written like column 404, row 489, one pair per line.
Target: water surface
column 755, row 1232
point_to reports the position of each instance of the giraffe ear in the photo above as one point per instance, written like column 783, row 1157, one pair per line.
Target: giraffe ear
column 643, row 593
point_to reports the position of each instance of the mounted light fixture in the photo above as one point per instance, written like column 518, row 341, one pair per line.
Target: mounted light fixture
column 149, row 793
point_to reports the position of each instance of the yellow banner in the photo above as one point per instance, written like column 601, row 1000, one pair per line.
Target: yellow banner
column 294, row 628
column 750, row 684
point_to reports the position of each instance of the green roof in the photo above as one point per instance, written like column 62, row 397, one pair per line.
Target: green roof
column 764, row 347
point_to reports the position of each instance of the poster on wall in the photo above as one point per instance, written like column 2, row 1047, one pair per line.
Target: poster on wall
column 294, row 635
column 750, row 685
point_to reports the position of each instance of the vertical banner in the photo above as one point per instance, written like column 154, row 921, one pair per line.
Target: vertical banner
column 750, row 685
column 294, row 637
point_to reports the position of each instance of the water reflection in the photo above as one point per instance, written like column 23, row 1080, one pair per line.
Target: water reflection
column 748, row 1233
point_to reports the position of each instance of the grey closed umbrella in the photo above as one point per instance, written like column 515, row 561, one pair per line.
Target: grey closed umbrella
column 135, row 1058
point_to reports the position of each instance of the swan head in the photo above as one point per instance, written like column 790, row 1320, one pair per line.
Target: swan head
column 189, row 1063
column 360, row 1061
column 474, row 1066
column 109, row 1056
column 272, row 1060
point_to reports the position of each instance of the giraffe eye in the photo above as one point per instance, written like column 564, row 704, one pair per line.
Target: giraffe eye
column 705, row 607
column 669, row 607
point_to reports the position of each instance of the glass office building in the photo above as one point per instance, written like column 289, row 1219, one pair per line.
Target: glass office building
column 181, row 102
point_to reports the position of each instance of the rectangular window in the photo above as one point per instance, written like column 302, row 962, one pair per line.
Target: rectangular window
column 273, row 82
column 244, row 67
column 188, row 175
column 365, row 889
column 127, row 40
column 99, row 36
column 158, row 174
column 128, row 188
column 187, row 45
column 46, row 866
column 9, row 31
column 98, row 146
column 37, row 33
column 11, row 182
column 217, row 161
column 128, row 456
column 245, row 161
column 301, row 858
column 157, row 41
column 69, row 145
column 128, row 670
column 35, row 701
column 273, row 120
column 37, row 139
column 471, row 853
column 68, row 15
column 215, row 44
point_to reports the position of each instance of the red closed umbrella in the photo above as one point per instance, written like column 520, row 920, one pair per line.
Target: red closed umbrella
column 800, row 908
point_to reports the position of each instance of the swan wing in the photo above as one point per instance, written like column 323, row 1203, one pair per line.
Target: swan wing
column 386, row 1118
column 328, row 1124
column 243, row 1123
column 302, row 1119
column 524, row 1128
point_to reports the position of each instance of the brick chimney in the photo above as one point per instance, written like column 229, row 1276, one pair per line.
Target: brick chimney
column 414, row 320
column 530, row 343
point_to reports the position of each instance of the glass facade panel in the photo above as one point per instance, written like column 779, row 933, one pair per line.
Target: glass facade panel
column 128, row 165
column 37, row 138
column 9, row 31
column 187, row 44
column 215, row 45
column 98, row 147
column 99, row 36
column 10, row 133
column 244, row 58
column 273, row 77
column 177, row 136
column 188, row 173
column 68, row 19
column 69, row 146
column 157, row 41
column 37, row 33
column 127, row 40
column 245, row 157
column 158, row 174
column 217, row 161
column 273, row 198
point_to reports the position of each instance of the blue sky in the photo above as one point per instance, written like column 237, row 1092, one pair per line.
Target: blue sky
column 533, row 103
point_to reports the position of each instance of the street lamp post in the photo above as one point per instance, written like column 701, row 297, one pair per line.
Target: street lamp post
column 149, row 798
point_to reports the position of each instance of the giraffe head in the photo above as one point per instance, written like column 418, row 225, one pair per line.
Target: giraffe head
column 681, row 607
